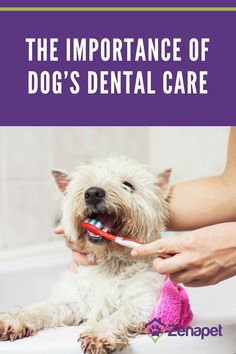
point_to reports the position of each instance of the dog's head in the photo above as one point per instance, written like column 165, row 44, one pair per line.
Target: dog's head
column 120, row 193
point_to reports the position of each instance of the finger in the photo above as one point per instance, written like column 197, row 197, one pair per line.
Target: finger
column 196, row 283
column 59, row 230
column 79, row 258
column 170, row 265
column 166, row 245
column 208, row 276
column 184, row 276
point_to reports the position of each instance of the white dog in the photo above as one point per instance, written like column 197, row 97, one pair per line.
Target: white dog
column 117, row 295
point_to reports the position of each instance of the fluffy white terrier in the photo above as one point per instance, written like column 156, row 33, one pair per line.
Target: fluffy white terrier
column 116, row 296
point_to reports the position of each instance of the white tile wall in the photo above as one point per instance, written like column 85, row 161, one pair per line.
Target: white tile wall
column 29, row 212
column 73, row 145
column 28, row 153
column 2, row 222
column 26, row 213
column 192, row 152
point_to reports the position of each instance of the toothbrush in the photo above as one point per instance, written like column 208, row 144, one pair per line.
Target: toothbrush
column 96, row 228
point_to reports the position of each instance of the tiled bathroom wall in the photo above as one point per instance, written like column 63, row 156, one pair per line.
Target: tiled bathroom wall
column 28, row 207
column 191, row 152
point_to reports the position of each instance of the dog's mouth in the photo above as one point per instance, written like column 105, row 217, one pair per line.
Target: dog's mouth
column 110, row 223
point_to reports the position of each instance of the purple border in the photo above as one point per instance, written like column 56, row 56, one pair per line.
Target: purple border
column 189, row 3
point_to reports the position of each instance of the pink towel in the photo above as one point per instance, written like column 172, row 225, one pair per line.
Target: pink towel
column 171, row 311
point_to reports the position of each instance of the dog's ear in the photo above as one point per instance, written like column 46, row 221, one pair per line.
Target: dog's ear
column 62, row 179
column 162, row 180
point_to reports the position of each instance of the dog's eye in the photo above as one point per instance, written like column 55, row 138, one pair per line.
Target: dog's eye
column 129, row 185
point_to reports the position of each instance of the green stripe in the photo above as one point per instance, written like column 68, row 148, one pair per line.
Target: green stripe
column 116, row 9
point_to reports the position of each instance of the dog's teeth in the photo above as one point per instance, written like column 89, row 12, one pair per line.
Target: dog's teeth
column 93, row 235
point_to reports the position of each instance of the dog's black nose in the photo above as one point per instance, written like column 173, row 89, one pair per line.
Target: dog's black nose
column 94, row 195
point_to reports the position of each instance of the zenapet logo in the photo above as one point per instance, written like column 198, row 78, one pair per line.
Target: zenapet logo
column 156, row 328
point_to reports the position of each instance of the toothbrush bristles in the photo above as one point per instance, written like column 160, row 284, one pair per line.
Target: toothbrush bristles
column 94, row 222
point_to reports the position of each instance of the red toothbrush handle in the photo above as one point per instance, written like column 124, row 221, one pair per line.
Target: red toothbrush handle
column 99, row 232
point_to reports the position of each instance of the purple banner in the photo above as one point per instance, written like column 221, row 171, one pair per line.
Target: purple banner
column 217, row 107
column 118, row 3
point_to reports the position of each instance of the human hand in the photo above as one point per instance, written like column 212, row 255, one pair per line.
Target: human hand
column 198, row 258
column 79, row 257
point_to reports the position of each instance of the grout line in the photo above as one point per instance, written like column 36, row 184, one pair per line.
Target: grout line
column 50, row 137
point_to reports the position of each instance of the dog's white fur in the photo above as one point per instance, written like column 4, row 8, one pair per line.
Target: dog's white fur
column 115, row 297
